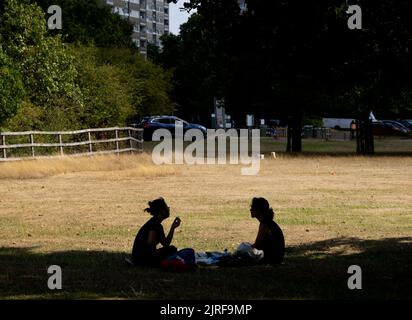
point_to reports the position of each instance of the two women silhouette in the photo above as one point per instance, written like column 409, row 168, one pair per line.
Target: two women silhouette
column 269, row 237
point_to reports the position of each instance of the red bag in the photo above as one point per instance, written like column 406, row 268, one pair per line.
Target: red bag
column 180, row 262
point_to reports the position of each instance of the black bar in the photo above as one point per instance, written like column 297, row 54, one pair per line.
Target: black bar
column 231, row 309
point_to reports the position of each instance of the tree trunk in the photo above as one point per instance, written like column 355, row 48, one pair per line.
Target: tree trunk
column 289, row 138
column 365, row 143
column 294, row 135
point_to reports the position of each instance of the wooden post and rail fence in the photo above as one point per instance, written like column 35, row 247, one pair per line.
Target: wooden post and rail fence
column 131, row 141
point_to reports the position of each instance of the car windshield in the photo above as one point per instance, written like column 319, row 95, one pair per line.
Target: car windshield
column 144, row 120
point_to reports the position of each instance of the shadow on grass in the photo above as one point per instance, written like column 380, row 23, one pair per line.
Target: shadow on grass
column 314, row 271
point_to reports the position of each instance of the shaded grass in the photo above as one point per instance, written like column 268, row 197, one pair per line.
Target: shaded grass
column 315, row 271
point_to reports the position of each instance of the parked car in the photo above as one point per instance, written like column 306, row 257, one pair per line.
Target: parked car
column 407, row 123
column 398, row 125
column 151, row 124
column 389, row 128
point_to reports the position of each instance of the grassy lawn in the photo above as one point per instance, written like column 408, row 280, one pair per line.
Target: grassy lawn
column 382, row 145
column 83, row 214
column 387, row 145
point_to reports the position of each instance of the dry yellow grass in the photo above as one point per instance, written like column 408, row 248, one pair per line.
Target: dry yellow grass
column 135, row 165
column 100, row 201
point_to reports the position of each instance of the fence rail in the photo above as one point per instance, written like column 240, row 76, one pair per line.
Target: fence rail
column 133, row 139
column 316, row 133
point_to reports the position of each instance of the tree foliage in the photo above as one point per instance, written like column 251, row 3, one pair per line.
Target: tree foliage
column 193, row 60
column 44, row 63
column 47, row 84
column 150, row 84
column 91, row 22
column 293, row 59
column 11, row 88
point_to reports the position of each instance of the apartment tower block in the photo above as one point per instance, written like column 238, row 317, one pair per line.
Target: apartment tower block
column 150, row 19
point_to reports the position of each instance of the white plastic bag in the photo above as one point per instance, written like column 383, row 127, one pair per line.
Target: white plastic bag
column 246, row 249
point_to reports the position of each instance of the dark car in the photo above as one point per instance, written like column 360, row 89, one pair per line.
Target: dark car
column 407, row 123
column 389, row 128
column 397, row 125
column 151, row 124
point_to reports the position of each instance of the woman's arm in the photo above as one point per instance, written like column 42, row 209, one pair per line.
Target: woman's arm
column 168, row 240
column 259, row 238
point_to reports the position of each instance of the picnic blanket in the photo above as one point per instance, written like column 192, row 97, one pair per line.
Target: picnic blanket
column 245, row 254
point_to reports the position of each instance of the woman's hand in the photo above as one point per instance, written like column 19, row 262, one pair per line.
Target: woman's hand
column 176, row 223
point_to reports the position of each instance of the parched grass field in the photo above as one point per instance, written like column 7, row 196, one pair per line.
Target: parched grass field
column 82, row 214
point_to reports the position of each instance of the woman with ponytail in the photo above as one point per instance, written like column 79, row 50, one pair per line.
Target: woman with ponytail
column 270, row 237
column 151, row 234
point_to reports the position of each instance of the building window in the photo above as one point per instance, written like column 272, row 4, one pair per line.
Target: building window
column 126, row 8
column 134, row 13
column 166, row 10
column 142, row 29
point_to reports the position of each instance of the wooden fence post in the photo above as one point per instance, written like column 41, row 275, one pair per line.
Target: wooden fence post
column 61, row 145
column 117, row 141
column 4, row 144
column 32, row 142
column 142, row 141
column 141, row 138
column 131, row 141
column 90, row 143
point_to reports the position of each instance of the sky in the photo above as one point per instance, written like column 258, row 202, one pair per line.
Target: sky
column 177, row 17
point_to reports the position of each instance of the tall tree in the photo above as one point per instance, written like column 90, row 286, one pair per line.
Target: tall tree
column 11, row 88
column 194, row 61
column 48, row 84
column 299, row 59
column 377, row 64
column 44, row 62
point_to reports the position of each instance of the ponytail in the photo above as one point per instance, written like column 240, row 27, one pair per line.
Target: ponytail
column 155, row 206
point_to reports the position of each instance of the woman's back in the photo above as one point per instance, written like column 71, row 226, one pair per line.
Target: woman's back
column 273, row 243
column 142, row 251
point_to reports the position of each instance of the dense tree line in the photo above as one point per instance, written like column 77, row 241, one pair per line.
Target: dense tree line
column 294, row 60
column 48, row 83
